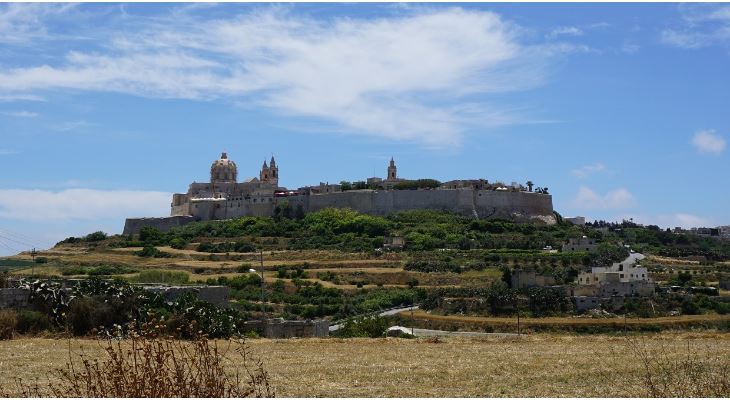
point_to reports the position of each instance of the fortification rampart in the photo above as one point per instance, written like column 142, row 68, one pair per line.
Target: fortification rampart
column 519, row 206
column 134, row 225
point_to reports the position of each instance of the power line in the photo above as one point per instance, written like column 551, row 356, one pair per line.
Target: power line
column 17, row 241
column 12, row 250
column 19, row 235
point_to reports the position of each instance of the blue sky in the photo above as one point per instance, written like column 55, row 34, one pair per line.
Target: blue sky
column 106, row 109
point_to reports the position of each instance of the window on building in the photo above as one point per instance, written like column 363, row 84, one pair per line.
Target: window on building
column 622, row 275
column 620, row 267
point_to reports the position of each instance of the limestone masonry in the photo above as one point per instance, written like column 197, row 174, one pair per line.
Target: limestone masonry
column 225, row 198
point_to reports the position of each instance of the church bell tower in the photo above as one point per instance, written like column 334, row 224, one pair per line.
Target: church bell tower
column 392, row 171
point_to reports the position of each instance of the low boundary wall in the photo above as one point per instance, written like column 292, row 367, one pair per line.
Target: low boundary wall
column 278, row 328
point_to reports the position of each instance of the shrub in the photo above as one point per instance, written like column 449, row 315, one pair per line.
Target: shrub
column 95, row 237
column 162, row 276
column 32, row 322
column 417, row 184
column 151, row 251
column 177, row 243
column 240, row 246
column 149, row 234
column 372, row 327
column 73, row 270
column 161, row 367
column 80, row 317
column 243, row 268
column 8, row 321
column 673, row 372
column 431, row 266
column 109, row 270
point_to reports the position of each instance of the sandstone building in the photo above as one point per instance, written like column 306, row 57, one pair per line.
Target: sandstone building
column 225, row 197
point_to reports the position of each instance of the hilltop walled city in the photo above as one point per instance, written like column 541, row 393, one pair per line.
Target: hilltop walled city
column 224, row 197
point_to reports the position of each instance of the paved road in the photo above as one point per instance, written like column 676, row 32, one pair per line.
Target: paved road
column 382, row 314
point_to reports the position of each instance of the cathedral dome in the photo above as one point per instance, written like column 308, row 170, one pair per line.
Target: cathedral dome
column 223, row 170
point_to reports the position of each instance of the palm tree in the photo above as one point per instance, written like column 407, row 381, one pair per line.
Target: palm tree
column 529, row 185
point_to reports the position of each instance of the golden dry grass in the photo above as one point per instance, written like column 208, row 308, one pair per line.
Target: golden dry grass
column 536, row 365
column 421, row 315
column 671, row 260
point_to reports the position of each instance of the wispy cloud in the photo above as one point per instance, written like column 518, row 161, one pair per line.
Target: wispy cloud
column 708, row 142
column 7, row 152
column 69, row 126
column 630, row 48
column 615, row 199
column 21, row 23
column 9, row 98
column 71, row 204
column 702, row 25
column 683, row 220
column 20, row 114
column 404, row 77
column 587, row 170
column 565, row 31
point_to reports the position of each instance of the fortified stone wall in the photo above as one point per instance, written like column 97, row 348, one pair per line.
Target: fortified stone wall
column 134, row 225
column 14, row 298
column 279, row 328
column 519, row 206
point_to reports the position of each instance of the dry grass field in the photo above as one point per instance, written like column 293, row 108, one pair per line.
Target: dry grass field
column 535, row 365
column 509, row 324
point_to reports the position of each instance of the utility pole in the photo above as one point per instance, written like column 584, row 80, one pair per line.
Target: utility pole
column 32, row 256
column 517, row 304
column 263, row 306
column 413, row 303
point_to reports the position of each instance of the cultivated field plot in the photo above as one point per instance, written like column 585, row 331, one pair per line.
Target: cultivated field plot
column 535, row 365
column 509, row 324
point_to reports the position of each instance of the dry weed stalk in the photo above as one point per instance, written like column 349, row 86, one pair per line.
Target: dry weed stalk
column 677, row 371
column 156, row 366
column 690, row 375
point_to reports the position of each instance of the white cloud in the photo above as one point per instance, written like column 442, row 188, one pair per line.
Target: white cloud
column 703, row 25
column 614, row 199
column 71, row 126
column 20, row 114
column 683, row 220
column 565, row 31
column 402, row 78
column 587, row 170
column 708, row 142
column 83, row 204
column 20, row 97
column 22, row 23
column 630, row 48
